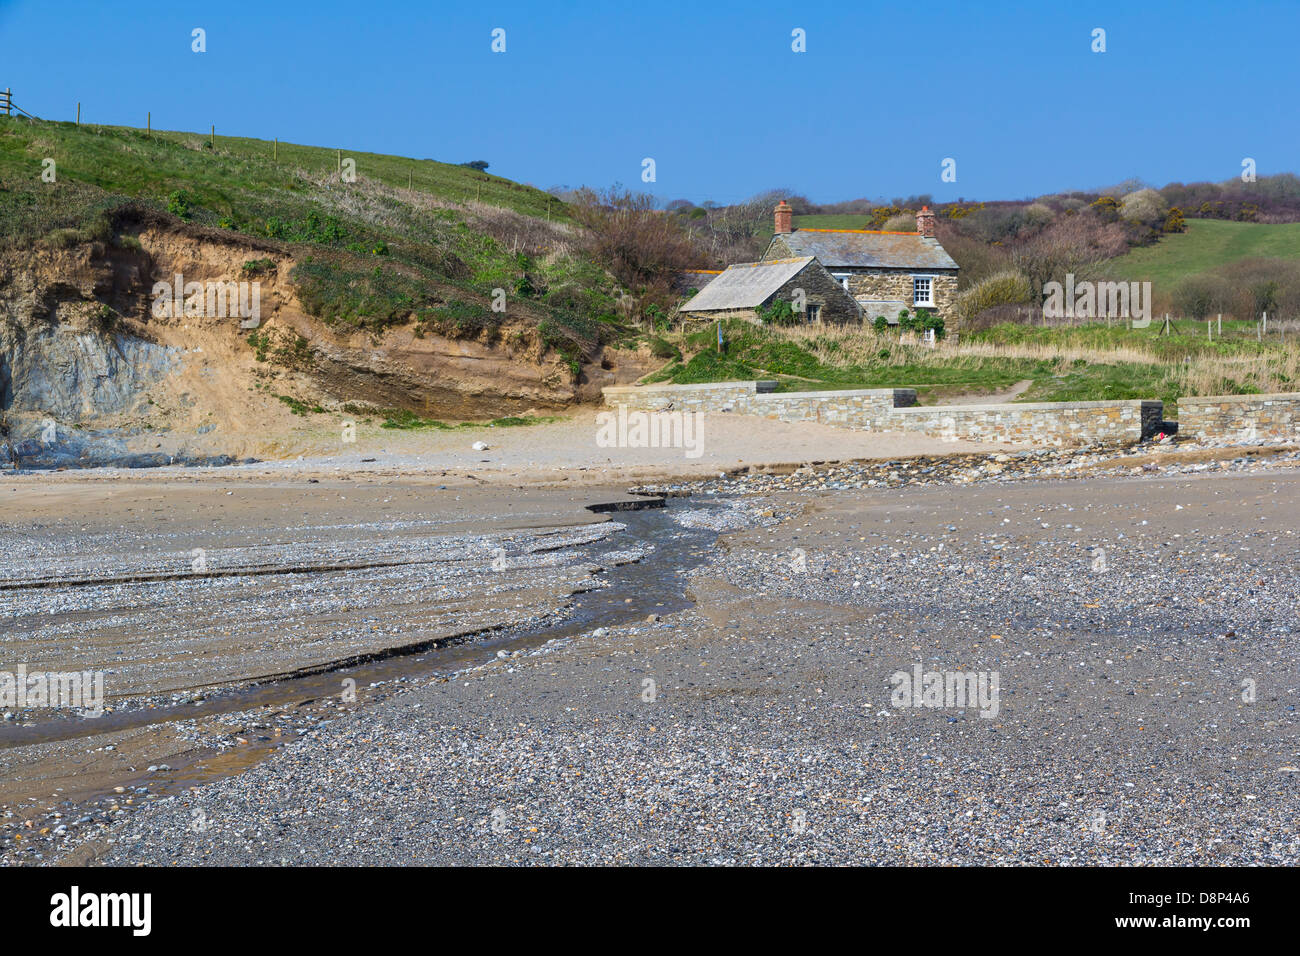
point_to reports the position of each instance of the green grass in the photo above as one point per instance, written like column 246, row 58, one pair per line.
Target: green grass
column 752, row 353
column 1086, row 363
column 1206, row 245
column 125, row 160
column 835, row 221
column 405, row 420
column 299, row 407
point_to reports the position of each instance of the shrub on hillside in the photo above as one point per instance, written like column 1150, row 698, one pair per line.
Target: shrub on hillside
column 630, row 237
column 1145, row 206
column 1038, row 214
column 1198, row 296
column 1003, row 288
column 663, row 349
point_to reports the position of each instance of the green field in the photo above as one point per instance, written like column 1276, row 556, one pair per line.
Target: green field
column 854, row 221
column 1206, row 245
column 128, row 161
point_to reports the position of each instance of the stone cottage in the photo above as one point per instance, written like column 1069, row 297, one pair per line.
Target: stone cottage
column 802, row 281
column 884, row 271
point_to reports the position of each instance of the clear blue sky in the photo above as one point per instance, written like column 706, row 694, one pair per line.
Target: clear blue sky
column 710, row 90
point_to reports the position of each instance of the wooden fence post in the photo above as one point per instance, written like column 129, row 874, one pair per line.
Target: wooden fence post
column 9, row 96
column 78, row 114
column 275, row 150
column 214, row 136
column 148, row 124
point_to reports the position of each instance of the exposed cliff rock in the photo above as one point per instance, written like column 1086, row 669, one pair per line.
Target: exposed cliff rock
column 93, row 356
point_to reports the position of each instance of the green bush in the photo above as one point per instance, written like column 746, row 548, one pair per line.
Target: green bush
column 1002, row 288
column 779, row 312
column 663, row 349
column 179, row 204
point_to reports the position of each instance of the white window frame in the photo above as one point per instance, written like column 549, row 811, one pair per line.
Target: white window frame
column 928, row 303
column 842, row 278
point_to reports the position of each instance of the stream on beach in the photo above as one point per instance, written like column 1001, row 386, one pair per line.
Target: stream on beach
column 633, row 565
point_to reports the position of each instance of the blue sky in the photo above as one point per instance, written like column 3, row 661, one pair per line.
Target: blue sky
column 712, row 91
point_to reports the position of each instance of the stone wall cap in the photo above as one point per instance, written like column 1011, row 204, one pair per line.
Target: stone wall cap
column 1025, row 406
column 670, row 387
column 1271, row 397
column 845, row 393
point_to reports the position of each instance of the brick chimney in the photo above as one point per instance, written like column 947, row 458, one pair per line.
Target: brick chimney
column 925, row 222
column 784, row 211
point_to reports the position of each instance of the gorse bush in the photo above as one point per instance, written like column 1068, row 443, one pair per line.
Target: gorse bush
column 179, row 204
column 314, row 228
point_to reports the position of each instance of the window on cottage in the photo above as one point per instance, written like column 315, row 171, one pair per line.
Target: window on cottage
column 922, row 290
column 814, row 313
column 842, row 278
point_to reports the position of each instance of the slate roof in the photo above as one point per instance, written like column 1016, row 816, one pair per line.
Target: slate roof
column 746, row 285
column 695, row 279
column 854, row 249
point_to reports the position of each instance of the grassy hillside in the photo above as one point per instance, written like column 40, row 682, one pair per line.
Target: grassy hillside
column 225, row 178
column 373, row 251
column 1207, row 244
column 846, row 221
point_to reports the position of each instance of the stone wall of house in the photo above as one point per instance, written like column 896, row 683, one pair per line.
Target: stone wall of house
column 896, row 284
column 777, row 249
column 1240, row 417
column 1064, row 424
column 820, row 288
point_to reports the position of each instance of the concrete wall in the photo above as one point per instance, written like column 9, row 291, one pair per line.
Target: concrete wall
column 1240, row 417
column 1065, row 424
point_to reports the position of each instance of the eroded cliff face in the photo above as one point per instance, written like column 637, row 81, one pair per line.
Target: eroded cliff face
column 86, row 349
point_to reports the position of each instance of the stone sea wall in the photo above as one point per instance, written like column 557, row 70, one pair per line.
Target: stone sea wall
column 1240, row 417
column 1064, row 424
